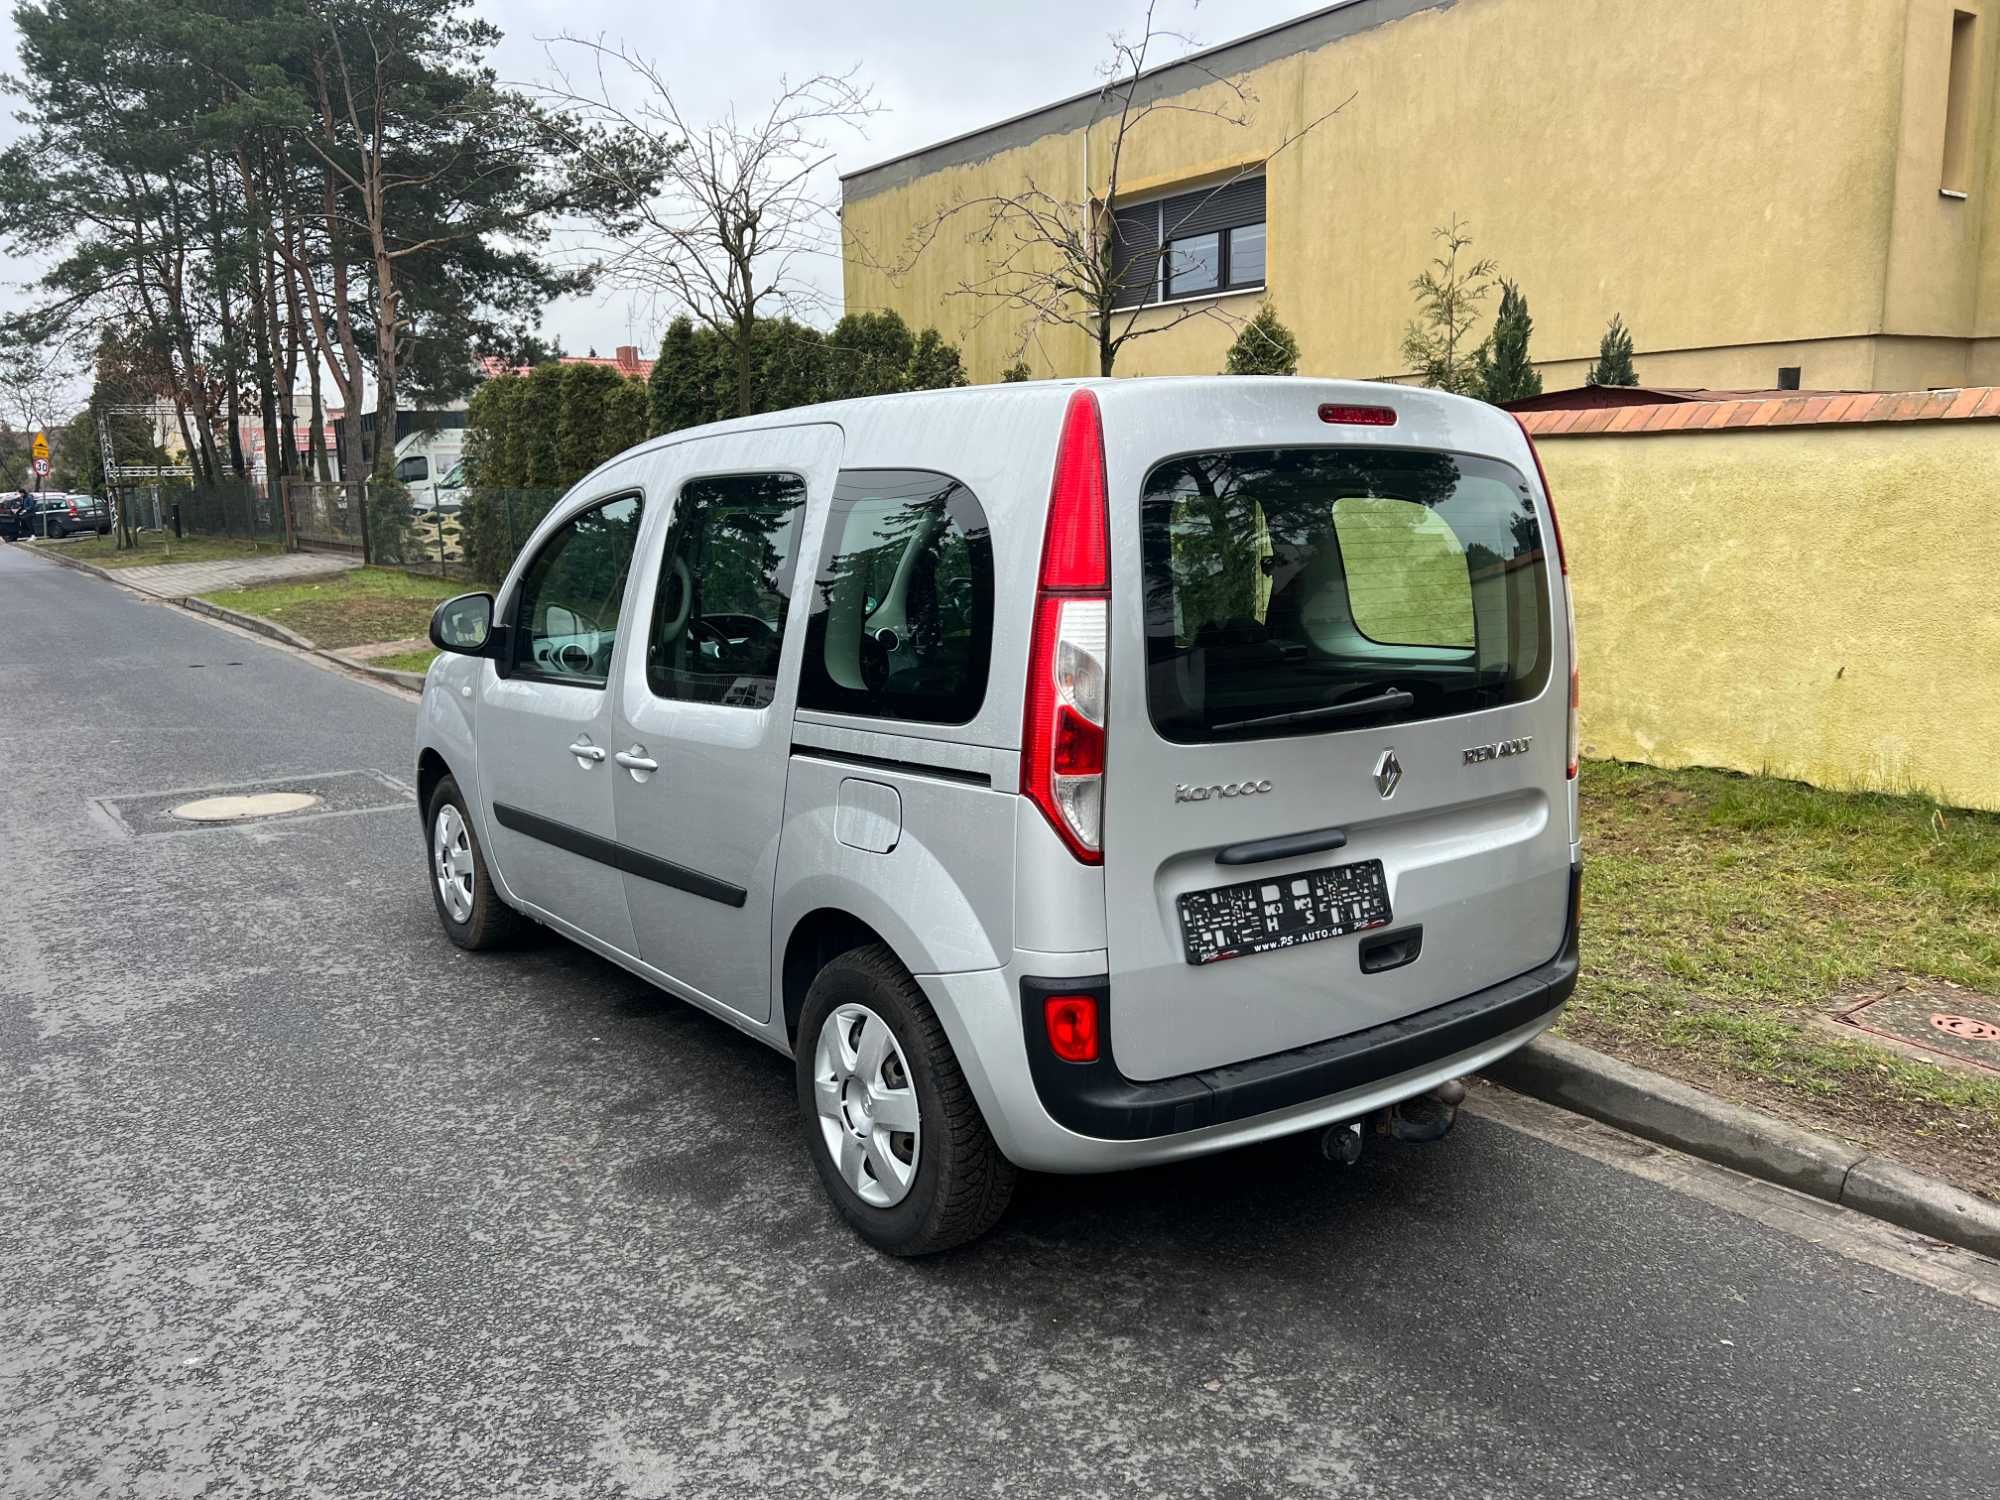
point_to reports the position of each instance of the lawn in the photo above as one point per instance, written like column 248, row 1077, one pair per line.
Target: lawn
column 347, row 609
column 406, row 661
column 1725, row 917
column 158, row 547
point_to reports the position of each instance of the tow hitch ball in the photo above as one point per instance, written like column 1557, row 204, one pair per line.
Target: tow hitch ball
column 1424, row 1117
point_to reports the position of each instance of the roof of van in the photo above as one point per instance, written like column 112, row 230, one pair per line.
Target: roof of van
column 1361, row 392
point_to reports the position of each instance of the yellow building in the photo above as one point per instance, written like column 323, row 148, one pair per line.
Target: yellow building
column 1757, row 186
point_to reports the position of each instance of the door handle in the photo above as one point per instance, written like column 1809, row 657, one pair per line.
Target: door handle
column 632, row 760
column 584, row 750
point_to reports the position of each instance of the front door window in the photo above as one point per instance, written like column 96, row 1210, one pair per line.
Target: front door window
column 571, row 596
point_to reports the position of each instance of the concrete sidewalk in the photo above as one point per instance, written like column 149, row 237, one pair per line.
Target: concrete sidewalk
column 179, row 580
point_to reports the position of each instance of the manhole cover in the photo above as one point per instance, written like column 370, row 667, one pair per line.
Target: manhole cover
column 197, row 809
column 244, row 805
column 1963, row 1025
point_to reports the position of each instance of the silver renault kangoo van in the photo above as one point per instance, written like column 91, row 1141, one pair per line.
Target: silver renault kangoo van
column 1067, row 776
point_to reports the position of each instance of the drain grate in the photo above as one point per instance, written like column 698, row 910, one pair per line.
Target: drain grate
column 1961, row 1024
column 284, row 799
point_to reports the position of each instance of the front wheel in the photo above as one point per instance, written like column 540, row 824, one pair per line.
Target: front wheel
column 472, row 912
column 890, row 1122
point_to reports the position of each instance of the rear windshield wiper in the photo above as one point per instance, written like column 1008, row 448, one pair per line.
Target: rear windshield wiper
column 1386, row 702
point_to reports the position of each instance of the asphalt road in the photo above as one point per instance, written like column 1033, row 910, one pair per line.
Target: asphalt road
column 297, row 1199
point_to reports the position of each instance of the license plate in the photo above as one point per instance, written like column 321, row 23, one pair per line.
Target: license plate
column 1261, row 916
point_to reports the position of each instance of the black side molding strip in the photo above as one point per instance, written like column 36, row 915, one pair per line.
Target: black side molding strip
column 886, row 763
column 1096, row 1099
column 618, row 856
column 1286, row 846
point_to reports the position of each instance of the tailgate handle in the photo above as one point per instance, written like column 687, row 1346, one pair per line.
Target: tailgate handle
column 1391, row 950
column 1287, row 846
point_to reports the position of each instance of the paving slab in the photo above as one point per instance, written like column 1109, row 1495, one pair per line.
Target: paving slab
column 179, row 580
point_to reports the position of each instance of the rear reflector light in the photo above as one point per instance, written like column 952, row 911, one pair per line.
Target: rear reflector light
column 1072, row 1027
column 1358, row 416
column 1063, row 740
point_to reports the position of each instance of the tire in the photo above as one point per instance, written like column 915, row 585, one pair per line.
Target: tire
column 488, row 921
column 961, row 1183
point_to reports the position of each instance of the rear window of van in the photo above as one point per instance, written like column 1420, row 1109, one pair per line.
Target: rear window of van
column 1309, row 590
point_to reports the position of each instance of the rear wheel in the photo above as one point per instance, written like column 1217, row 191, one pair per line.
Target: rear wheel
column 890, row 1122
column 472, row 912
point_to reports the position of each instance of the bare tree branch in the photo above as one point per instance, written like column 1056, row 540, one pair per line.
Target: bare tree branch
column 1047, row 257
column 743, row 204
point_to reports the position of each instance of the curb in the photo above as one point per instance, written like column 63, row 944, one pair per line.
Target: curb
column 1675, row 1114
column 242, row 621
column 412, row 682
column 80, row 565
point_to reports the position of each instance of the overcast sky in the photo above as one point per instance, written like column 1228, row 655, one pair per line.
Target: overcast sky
column 939, row 69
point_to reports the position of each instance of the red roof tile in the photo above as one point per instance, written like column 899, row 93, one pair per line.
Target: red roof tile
column 1768, row 410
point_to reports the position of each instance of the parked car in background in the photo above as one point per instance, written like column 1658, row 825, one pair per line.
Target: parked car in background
column 1068, row 776
column 11, row 525
column 64, row 515
column 57, row 514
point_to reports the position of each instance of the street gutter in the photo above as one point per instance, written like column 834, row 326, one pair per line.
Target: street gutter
column 1676, row 1114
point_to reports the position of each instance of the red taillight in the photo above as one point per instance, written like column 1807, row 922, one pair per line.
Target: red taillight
column 1076, row 553
column 1569, row 607
column 1062, row 740
column 1072, row 1027
column 1358, row 416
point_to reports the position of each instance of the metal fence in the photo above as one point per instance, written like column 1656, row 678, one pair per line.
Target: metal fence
column 327, row 514
column 477, row 538
column 228, row 508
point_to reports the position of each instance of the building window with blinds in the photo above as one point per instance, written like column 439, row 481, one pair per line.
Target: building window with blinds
column 1197, row 244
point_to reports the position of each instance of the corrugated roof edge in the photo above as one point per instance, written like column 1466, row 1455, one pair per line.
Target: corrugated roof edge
column 1317, row 29
column 1809, row 409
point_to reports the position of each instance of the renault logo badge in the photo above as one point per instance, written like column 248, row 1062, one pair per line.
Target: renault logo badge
column 1388, row 773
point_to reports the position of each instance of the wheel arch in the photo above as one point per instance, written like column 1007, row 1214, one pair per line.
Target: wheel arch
column 431, row 769
column 816, row 940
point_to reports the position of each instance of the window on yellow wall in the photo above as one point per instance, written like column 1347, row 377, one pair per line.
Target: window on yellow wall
column 1958, row 110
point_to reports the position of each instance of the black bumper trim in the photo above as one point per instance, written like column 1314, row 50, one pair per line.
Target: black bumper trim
column 1095, row 1099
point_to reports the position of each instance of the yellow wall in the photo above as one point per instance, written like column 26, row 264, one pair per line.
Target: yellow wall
column 1814, row 602
column 1743, row 182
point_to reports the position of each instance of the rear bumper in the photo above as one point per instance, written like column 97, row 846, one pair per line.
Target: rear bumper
column 1095, row 1100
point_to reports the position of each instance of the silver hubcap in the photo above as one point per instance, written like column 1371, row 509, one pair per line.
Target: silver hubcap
column 451, row 862
column 867, row 1105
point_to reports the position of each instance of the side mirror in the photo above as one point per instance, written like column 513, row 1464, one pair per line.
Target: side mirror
column 463, row 624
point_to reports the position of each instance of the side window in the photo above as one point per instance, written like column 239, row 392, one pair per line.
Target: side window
column 902, row 611
column 566, row 621
column 413, row 470
column 719, row 612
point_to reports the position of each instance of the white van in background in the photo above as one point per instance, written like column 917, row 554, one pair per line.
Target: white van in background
column 431, row 465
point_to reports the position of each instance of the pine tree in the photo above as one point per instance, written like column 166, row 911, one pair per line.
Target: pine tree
column 934, row 364
column 1505, row 371
column 1449, row 296
column 676, row 380
column 1614, row 357
column 1264, row 347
